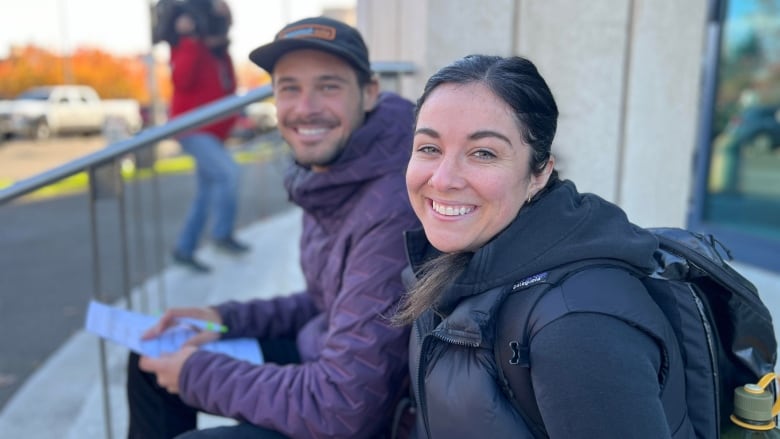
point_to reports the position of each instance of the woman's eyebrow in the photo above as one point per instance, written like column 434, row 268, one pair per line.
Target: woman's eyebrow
column 489, row 133
column 481, row 134
column 427, row 131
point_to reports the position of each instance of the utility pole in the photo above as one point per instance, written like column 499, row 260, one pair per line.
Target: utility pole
column 154, row 93
column 285, row 12
column 67, row 68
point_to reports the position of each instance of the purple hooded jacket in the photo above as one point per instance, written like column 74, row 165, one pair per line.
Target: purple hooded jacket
column 352, row 255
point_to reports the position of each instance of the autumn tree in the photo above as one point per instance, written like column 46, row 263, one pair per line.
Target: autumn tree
column 251, row 76
column 27, row 67
column 112, row 76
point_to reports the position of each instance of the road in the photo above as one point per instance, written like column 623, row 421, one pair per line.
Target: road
column 20, row 159
column 45, row 246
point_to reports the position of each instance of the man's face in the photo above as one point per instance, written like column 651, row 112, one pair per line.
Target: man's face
column 319, row 104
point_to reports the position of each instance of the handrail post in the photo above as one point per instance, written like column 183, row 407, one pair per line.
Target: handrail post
column 98, row 295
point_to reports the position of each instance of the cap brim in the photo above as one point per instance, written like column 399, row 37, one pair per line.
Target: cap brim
column 266, row 56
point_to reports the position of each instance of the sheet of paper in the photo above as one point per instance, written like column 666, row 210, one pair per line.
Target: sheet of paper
column 125, row 328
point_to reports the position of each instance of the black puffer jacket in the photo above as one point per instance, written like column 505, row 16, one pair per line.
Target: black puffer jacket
column 595, row 374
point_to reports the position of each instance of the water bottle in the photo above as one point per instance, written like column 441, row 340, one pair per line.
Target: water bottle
column 754, row 414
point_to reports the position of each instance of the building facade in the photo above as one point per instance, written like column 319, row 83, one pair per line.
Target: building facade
column 669, row 109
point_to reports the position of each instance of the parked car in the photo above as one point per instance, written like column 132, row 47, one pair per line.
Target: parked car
column 42, row 112
column 756, row 128
column 755, row 131
column 5, row 120
column 257, row 118
column 148, row 115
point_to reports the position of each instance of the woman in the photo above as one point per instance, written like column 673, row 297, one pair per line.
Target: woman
column 497, row 218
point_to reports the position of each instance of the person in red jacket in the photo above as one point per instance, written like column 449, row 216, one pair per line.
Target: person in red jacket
column 202, row 72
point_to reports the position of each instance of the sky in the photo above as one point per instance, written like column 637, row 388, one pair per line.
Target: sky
column 121, row 27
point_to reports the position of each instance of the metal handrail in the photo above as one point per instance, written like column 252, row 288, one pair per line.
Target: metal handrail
column 179, row 124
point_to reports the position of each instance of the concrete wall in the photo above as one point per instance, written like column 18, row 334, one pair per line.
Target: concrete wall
column 433, row 33
column 625, row 73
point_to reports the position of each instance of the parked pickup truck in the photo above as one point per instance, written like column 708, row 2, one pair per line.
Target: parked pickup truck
column 5, row 120
column 42, row 112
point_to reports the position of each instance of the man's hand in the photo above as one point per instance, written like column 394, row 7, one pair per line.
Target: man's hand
column 169, row 319
column 167, row 367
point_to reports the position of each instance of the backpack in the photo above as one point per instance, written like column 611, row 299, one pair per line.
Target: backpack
column 724, row 330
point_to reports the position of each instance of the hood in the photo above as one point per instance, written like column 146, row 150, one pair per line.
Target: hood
column 560, row 227
column 371, row 152
column 24, row 107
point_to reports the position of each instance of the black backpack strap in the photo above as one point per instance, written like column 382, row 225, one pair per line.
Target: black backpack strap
column 513, row 335
column 513, row 356
column 404, row 413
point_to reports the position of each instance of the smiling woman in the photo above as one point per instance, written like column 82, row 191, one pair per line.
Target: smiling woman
column 496, row 218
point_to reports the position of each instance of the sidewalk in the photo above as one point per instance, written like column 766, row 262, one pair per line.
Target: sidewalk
column 63, row 398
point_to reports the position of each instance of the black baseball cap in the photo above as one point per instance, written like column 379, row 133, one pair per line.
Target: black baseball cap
column 319, row 33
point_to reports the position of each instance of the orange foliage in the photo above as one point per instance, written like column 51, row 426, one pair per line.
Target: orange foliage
column 250, row 76
column 114, row 77
column 27, row 67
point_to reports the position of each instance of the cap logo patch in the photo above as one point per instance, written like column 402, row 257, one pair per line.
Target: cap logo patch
column 309, row 31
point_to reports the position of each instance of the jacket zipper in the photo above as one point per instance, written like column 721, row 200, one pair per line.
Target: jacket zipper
column 421, row 366
column 426, row 343
column 455, row 341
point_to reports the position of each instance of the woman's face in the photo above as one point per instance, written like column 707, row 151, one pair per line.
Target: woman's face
column 469, row 174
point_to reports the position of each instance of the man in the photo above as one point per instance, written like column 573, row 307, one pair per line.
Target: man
column 334, row 363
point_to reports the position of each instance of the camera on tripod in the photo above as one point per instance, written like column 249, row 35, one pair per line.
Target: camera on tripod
column 208, row 21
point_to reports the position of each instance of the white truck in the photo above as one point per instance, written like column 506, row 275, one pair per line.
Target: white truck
column 42, row 112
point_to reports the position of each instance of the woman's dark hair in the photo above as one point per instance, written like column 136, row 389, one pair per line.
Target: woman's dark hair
column 516, row 81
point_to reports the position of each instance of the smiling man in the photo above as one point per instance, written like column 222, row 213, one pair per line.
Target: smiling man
column 335, row 364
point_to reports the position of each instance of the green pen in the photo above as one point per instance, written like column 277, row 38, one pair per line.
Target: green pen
column 203, row 325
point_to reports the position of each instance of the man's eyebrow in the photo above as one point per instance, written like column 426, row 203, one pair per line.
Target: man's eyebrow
column 332, row 78
column 293, row 79
column 284, row 79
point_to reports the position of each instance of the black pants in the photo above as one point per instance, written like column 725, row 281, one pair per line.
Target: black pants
column 154, row 413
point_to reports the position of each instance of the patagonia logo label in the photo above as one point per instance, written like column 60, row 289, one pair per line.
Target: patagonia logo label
column 541, row 277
